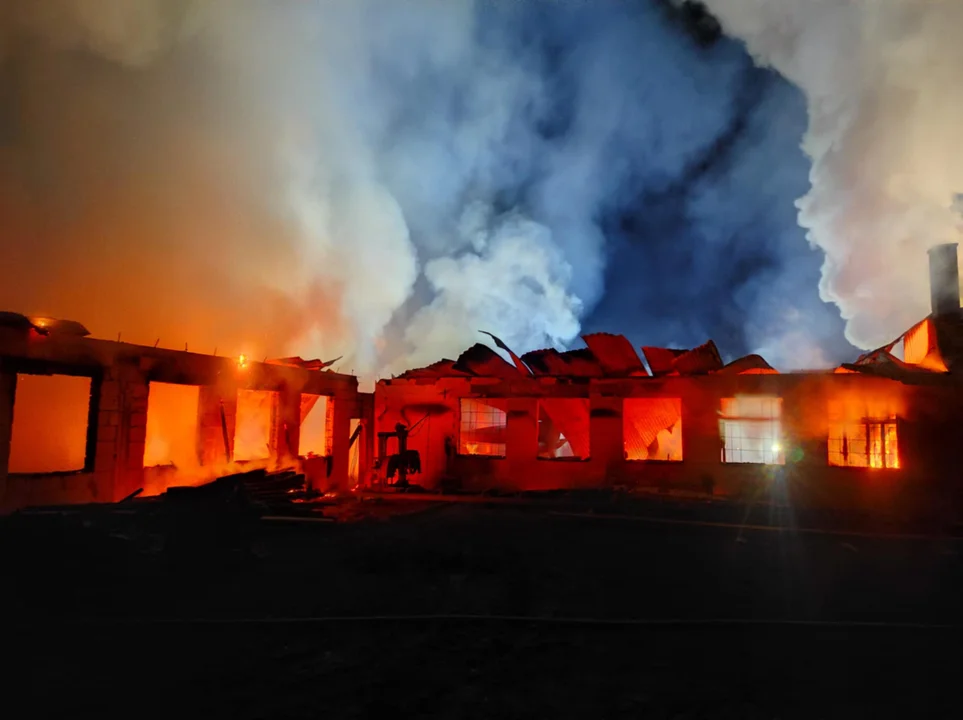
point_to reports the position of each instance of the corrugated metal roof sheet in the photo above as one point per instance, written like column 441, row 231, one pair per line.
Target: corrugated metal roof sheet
column 749, row 365
column 571, row 417
column 697, row 361
column 299, row 362
column 481, row 360
column 582, row 363
column 644, row 419
column 544, row 362
column 901, row 372
column 517, row 361
column 573, row 363
column 660, row 359
column 615, row 354
column 440, row 369
column 45, row 325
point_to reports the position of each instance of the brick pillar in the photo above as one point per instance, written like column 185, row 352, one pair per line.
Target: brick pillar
column 368, row 435
column 8, row 391
column 701, row 441
column 121, row 432
column 109, row 423
column 341, row 433
column 607, row 464
column 521, row 434
column 135, row 389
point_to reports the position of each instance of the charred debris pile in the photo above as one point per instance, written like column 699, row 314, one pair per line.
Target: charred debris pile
column 186, row 526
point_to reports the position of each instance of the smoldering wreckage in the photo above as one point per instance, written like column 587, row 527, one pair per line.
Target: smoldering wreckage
column 97, row 428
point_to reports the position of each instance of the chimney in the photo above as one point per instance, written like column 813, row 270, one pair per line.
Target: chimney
column 944, row 280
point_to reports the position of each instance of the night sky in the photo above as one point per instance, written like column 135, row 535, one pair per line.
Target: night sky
column 702, row 234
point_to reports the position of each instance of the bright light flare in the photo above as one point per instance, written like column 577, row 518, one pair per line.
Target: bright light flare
column 242, row 362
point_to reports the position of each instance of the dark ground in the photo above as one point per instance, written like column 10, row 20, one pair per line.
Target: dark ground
column 99, row 627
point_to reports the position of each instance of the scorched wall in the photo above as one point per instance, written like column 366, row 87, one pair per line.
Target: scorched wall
column 120, row 376
column 916, row 428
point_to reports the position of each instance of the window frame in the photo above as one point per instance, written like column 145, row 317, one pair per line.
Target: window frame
column 776, row 439
column 866, row 423
column 496, row 403
column 23, row 366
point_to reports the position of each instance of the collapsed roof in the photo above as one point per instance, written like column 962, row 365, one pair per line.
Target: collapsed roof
column 42, row 325
column 299, row 362
column 605, row 356
column 934, row 346
column 931, row 348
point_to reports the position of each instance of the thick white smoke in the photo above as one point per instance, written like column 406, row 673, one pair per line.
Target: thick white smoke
column 479, row 267
column 260, row 176
column 515, row 278
column 381, row 179
column 882, row 81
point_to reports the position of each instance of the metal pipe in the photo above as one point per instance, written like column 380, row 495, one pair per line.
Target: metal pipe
column 944, row 280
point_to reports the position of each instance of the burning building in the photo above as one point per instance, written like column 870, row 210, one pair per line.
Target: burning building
column 88, row 420
column 879, row 433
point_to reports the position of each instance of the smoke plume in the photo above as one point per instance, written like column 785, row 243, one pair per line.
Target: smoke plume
column 882, row 85
column 381, row 180
column 274, row 176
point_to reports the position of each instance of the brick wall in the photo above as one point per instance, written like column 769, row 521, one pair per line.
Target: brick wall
column 929, row 437
column 121, row 431
column 121, row 376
